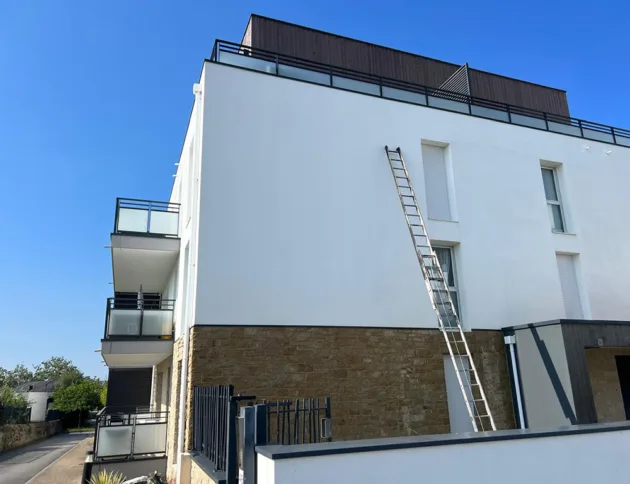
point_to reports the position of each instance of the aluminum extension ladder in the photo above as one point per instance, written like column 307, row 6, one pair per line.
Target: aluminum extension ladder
column 468, row 378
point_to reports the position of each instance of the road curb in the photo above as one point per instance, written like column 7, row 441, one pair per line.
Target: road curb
column 56, row 460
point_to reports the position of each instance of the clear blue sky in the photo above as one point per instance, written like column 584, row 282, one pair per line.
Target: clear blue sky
column 95, row 98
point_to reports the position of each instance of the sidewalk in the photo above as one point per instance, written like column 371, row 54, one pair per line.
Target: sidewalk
column 68, row 469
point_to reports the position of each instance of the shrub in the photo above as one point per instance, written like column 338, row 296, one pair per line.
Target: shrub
column 105, row 477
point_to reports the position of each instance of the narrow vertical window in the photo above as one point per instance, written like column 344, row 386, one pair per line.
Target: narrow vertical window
column 554, row 203
column 445, row 256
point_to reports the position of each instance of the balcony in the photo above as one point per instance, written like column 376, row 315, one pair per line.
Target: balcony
column 137, row 333
column 145, row 244
column 131, row 443
column 290, row 67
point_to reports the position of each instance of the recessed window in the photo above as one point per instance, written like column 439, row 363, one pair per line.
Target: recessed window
column 554, row 202
column 445, row 256
column 436, row 182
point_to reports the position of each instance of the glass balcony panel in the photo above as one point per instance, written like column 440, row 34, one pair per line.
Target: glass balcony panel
column 490, row 113
column 565, row 128
column 440, row 102
column 402, row 95
column 164, row 223
column 115, row 440
column 150, row 438
column 132, row 220
column 157, row 322
column 359, row 86
column 303, row 74
column 249, row 62
column 597, row 135
column 623, row 141
column 124, row 322
column 528, row 121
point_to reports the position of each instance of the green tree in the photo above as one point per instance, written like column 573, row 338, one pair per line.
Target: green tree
column 80, row 397
column 104, row 394
column 11, row 398
column 59, row 369
column 12, row 378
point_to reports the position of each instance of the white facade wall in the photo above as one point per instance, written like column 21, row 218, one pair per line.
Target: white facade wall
column 300, row 223
column 575, row 459
column 38, row 403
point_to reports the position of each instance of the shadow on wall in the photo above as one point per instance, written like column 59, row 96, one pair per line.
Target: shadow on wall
column 563, row 399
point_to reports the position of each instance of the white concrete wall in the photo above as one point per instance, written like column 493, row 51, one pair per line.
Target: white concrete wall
column 575, row 459
column 301, row 224
column 37, row 401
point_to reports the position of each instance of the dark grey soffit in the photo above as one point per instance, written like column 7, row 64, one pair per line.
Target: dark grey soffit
column 552, row 322
column 276, row 452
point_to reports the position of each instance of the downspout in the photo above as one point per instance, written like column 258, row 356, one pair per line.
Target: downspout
column 510, row 341
column 192, row 276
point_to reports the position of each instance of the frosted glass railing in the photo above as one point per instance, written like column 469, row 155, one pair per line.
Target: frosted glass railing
column 314, row 72
column 147, row 217
column 128, row 435
column 130, row 318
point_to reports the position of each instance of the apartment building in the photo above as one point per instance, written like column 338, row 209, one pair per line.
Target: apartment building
column 281, row 263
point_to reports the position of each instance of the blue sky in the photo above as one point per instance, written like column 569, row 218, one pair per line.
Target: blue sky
column 95, row 97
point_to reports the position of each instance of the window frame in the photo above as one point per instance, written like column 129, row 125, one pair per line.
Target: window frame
column 558, row 203
column 454, row 288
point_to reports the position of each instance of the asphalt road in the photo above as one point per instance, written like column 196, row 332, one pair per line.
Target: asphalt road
column 18, row 466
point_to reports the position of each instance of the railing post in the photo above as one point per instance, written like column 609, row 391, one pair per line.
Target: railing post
column 612, row 131
column 247, row 437
column 331, row 76
column 380, row 86
column 546, row 121
column 260, row 437
column 581, row 130
column 328, row 414
column 277, row 67
column 469, row 99
column 116, row 215
column 141, row 319
column 507, row 107
column 106, row 319
column 149, row 219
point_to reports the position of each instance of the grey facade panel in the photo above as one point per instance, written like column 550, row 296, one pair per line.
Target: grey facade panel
column 545, row 378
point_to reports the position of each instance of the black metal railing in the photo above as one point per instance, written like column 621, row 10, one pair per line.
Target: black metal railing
column 305, row 421
column 122, row 434
column 127, row 318
column 341, row 78
column 146, row 217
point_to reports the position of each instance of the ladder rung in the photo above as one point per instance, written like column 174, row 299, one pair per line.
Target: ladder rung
column 402, row 177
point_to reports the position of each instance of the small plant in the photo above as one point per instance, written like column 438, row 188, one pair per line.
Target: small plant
column 105, row 477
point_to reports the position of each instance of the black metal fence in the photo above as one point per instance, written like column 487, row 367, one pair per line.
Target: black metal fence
column 227, row 435
column 210, row 423
column 305, row 421
column 14, row 415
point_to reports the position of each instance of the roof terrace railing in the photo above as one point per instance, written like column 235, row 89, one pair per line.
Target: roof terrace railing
column 291, row 67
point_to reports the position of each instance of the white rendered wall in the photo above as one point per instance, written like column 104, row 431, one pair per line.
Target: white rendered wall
column 38, row 402
column 575, row 459
column 301, row 225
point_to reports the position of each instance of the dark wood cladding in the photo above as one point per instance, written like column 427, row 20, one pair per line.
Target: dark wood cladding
column 318, row 46
column 577, row 337
column 518, row 93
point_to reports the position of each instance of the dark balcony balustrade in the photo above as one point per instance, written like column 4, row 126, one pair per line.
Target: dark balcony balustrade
column 151, row 318
column 290, row 67
column 146, row 217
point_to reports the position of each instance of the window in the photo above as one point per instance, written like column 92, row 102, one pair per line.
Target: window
column 445, row 256
column 569, row 285
column 436, row 182
column 550, row 181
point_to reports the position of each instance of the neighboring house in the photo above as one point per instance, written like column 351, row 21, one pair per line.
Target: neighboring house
column 281, row 263
column 39, row 397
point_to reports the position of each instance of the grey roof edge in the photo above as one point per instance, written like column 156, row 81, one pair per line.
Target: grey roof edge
column 277, row 452
column 552, row 322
